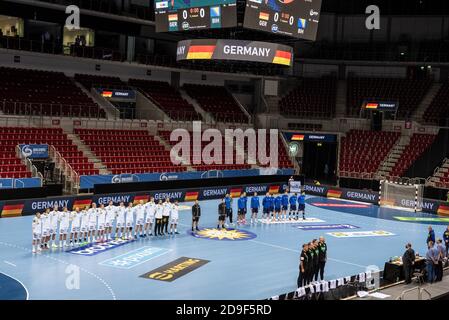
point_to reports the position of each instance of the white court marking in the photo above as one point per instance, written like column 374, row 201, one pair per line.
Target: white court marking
column 26, row 289
column 10, row 263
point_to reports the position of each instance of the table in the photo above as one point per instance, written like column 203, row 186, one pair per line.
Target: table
column 394, row 271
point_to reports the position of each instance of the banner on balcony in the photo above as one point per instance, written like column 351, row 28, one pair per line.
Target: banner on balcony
column 88, row 182
column 8, row 183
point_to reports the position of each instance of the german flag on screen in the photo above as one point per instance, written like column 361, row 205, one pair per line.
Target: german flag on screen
column 141, row 197
column 191, row 196
column 107, row 94
column 82, row 203
column 201, row 52
column 371, row 105
column 264, row 16
column 443, row 210
column 387, row 202
column 12, row 210
column 236, row 192
column 298, row 137
column 282, row 57
column 173, row 17
column 334, row 193
column 273, row 189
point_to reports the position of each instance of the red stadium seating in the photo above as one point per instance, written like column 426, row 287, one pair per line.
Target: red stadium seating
column 313, row 98
column 10, row 137
column 217, row 101
column 439, row 107
column 409, row 93
column 418, row 144
column 167, row 98
column 363, row 151
column 32, row 92
column 128, row 151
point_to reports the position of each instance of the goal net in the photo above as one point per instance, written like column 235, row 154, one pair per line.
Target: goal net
column 400, row 195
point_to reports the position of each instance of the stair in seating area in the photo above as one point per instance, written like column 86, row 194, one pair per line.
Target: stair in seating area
column 393, row 156
column 440, row 178
column 427, row 100
column 88, row 154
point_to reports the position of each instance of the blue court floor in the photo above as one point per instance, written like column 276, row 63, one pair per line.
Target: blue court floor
column 250, row 268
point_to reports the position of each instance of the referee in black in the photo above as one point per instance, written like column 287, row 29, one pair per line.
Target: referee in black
column 322, row 256
column 316, row 259
column 196, row 214
column 221, row 214
column 311, row 263
column 303, row 265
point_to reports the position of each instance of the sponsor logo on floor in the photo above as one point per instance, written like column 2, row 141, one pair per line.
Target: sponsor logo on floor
column 326, row 227
column 133, row 258
column 228, row 234
column 361, row 234
column 300, row 220
column 92, row 249
column 175, row 269
column 422, row 219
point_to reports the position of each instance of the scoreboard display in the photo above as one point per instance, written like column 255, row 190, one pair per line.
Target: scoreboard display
column 184, row 15
column 294, row 18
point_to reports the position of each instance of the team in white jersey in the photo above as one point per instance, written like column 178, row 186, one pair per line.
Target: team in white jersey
column 96, row 224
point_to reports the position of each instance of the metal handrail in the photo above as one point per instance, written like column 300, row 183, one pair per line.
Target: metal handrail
column 420, row 292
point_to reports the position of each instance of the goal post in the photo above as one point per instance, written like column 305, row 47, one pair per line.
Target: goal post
column 400, row 195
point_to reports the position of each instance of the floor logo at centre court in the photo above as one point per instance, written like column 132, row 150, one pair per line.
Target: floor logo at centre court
column 326, row 227
column 175, row 269
column 134, row 258
column 92, row 249
column 224, row 234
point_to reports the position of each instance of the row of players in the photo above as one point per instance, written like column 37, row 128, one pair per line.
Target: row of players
column 274, row 208
column 94, row 223
column 97, row 223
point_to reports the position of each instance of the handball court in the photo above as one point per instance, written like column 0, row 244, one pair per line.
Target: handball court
column 252, row 262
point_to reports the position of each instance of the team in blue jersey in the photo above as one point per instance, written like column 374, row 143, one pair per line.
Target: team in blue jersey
column 282, row 207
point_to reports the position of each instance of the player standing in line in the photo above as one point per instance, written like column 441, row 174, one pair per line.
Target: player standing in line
column 245, row 209
column 293, row 209
column 64, row 224
column 266, row 207
column 54, row 216
column 221, row 214
column 92, row 214
column 37, row 233
column 120, row 222
column 111, row 212
column 75, row 217
column 158, row 215
column 272, row 213
column 255, row 205
column 228, row 207
column 140, row 219
column 46, row 226
column 129, row 221
column 174, row 216
column 165, row 216
column 302, row 204
column 284, row 206
column 277, row 207
column 84, row 229
column 101, row 215
column 240, row 209
column 150, row 209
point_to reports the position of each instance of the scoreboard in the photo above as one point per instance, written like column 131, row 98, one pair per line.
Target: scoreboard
column 295, row 18
column 184, row 15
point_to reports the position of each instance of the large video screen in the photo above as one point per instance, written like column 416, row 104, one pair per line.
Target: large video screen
column 295, row 18
column 184, row 15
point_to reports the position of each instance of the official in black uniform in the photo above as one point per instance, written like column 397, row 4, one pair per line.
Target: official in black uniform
column 322, row 256
column 303, row 262
column 221, row 214
column 310, row 271
column 196, row 214
column 408, row 261
column 316, row 261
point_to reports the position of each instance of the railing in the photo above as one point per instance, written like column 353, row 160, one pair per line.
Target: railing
column 52, row 110
column 68, row 176
column 420, row 293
